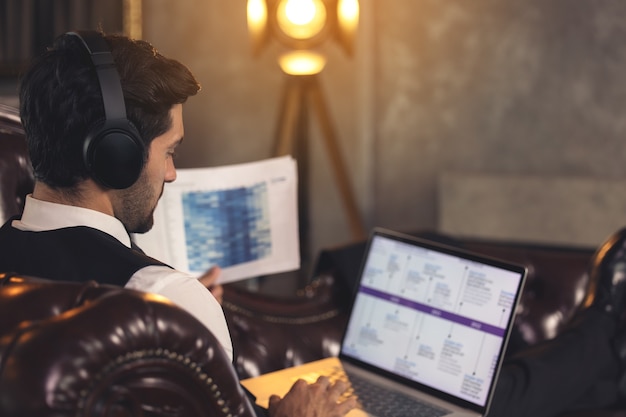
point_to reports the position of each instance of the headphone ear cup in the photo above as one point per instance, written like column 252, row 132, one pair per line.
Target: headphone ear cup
column 114, row 154
column 113, row 151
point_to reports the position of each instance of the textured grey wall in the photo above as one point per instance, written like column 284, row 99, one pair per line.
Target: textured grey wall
column 533, row 87
column 495, row 87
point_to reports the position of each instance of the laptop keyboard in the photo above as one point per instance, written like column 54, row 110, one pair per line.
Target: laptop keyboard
column 380, row 401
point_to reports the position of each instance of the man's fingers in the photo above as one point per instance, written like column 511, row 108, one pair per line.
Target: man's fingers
column 218, row 292
column 323, row 383
column 321, row 398
column 336, row 390
column 274, row 399
column 299, row 385
column 347, row 405
column 210, row 277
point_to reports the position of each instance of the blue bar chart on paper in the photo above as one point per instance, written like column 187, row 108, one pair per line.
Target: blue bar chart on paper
column 227, row 227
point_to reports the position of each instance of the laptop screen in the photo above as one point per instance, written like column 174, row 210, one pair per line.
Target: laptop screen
column 433, row 315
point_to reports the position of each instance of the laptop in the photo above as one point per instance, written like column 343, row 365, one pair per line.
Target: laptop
column 429, row 323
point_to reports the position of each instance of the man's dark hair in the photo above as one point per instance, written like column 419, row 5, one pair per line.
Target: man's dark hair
column 60, row 101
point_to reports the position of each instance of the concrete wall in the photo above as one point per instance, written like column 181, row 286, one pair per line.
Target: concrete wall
column 496, row 88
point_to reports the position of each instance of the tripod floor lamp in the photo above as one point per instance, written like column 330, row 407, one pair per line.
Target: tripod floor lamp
column 301, row 25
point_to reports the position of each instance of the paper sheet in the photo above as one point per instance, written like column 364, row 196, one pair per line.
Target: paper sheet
column 243, row 218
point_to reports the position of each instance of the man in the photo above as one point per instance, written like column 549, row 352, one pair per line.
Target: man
column 77, row 221
column 98, row 178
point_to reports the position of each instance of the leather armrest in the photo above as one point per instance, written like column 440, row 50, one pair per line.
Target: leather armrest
column 116, row 352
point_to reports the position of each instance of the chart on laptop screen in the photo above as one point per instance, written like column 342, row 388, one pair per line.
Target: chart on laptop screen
column 431, row 317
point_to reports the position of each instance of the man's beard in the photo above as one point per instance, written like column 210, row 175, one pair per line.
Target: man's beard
column 138, row 203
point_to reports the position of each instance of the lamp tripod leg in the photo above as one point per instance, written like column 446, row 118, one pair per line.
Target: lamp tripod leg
column 288, row 121
column 319, row 106
column 292, row 138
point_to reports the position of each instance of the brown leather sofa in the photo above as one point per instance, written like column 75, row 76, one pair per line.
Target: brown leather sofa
column 16, row 174
column 272, row 332
column 79, row 350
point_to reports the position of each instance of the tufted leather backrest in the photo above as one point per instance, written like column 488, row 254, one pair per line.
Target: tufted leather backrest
column 83, row 349
column 16, row 173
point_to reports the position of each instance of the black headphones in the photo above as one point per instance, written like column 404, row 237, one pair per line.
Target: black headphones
column 113, row 151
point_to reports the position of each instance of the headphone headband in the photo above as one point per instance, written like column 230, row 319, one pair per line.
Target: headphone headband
column 110, row 86
column 113, row 151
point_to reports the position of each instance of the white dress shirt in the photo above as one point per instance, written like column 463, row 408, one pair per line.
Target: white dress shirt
column 179, row 287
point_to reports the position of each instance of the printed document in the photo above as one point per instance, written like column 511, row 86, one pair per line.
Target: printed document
column 242, row 218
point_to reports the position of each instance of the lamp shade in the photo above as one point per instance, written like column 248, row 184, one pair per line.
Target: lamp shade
column 257, row 24
column 302, row 24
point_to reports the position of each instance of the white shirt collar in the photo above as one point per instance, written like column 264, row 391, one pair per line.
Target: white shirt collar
column 41, row 215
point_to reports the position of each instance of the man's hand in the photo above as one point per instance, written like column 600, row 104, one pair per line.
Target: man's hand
column 320, row 399
column 209, row 280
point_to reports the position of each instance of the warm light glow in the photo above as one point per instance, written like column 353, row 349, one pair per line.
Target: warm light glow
column 348, row 12
column 302, row 63
column 348, row 19
column 257, row 15
column 257, row 23
column 303, row 25
column 300, row 12
column 301, row 19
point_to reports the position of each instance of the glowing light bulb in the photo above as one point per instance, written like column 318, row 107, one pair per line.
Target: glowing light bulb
column 300, row 12
column 301, row 19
